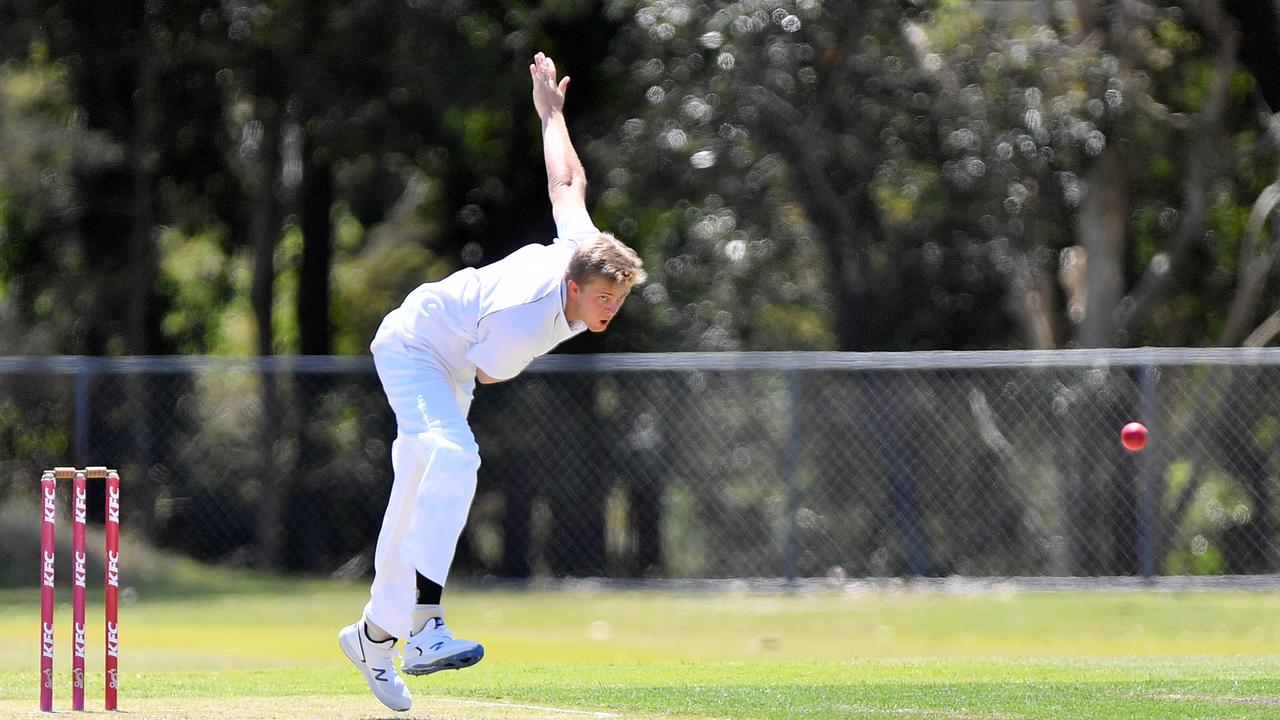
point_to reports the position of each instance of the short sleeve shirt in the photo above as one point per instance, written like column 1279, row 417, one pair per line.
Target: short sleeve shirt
column 499, row 317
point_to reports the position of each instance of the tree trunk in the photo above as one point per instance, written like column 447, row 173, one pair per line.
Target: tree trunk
column 265, row 221
column 843, row 227
column 1103, row 222
column 1031, row 298
column 266, row 213
column 315, row 202
column 1255, row 265
column 143, row 328
column 111, row 46
column 142, row 324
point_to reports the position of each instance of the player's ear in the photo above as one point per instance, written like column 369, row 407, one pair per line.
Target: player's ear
column 574, row 288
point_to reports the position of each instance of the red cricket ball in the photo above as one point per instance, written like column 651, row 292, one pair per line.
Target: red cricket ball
column 1134, row 436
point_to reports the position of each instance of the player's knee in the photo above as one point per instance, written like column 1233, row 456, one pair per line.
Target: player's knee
column 454, row 453
column 467, row 457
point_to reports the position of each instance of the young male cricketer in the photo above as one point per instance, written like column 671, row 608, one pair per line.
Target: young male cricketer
column 479, row 324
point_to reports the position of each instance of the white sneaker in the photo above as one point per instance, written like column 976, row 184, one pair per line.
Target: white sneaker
column 377, row 661
column 434, row 649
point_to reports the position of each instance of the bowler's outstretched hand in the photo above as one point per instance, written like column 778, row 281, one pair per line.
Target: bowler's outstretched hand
column 548, row 95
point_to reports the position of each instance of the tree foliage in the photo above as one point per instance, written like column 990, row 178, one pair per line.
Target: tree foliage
column 799, row 174
column 272, row 176
column 956, row 167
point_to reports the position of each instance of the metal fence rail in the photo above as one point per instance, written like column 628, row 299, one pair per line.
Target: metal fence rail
column 691, row 465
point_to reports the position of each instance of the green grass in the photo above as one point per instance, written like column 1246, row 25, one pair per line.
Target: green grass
column 265, row 649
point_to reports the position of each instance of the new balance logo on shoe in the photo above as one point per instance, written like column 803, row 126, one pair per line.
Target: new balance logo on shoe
column 435, row 649
column 383, row 680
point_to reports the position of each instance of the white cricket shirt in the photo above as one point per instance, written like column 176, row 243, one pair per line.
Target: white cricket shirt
column 498, row 317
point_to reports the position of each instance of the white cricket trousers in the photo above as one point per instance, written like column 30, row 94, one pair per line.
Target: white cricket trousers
column 435, row 460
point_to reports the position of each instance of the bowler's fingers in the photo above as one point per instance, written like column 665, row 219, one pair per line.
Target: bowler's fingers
column 543, row 70
column 543, row 66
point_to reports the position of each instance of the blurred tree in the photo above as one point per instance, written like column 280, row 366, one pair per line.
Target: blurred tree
column 943, row 160
column 370, row 117
column 145, row 138
column 971, row 179
column 39, row 138
column 270, row 177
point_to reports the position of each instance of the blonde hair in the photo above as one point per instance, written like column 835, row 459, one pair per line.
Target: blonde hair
column 605, row 256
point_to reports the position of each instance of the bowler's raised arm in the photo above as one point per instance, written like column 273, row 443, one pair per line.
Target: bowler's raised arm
column 566, row 178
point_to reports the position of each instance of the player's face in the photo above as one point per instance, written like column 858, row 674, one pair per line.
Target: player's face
column 595, row 302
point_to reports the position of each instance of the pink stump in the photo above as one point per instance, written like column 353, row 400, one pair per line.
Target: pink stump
column 48, row 495
column 78, row 591
column 113, row 588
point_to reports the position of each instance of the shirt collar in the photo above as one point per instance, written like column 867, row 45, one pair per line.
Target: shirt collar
column 576, row 326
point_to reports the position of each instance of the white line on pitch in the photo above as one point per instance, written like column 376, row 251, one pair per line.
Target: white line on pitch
column 519, row 706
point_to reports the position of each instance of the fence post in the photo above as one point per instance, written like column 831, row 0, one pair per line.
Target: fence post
column 1146, row 483
column 790, row 466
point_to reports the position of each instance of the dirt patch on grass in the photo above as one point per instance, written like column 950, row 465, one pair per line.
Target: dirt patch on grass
column 1255, row 700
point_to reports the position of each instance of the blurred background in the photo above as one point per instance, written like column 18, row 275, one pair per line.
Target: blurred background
column 211, row 205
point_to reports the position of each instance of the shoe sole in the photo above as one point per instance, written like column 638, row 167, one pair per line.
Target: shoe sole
column 353, row 654
column 456, row 661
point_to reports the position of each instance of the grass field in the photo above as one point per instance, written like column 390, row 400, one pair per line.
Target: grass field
column 256, row 649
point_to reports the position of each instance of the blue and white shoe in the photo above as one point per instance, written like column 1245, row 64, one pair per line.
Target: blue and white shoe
column 435, row 649
column 377, row 661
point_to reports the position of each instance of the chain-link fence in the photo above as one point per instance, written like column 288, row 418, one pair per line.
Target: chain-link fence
column 693, row 465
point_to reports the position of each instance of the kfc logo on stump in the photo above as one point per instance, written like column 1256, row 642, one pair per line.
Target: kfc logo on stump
column 46, row 641
column 48, row 569
column 80, row 504
column 113, row 643
column 49, row 504
column 113, row 505
column 79, row 639
column 113, row 569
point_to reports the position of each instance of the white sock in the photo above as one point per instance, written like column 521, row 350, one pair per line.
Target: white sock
column 375, row 633
column 423, row 613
